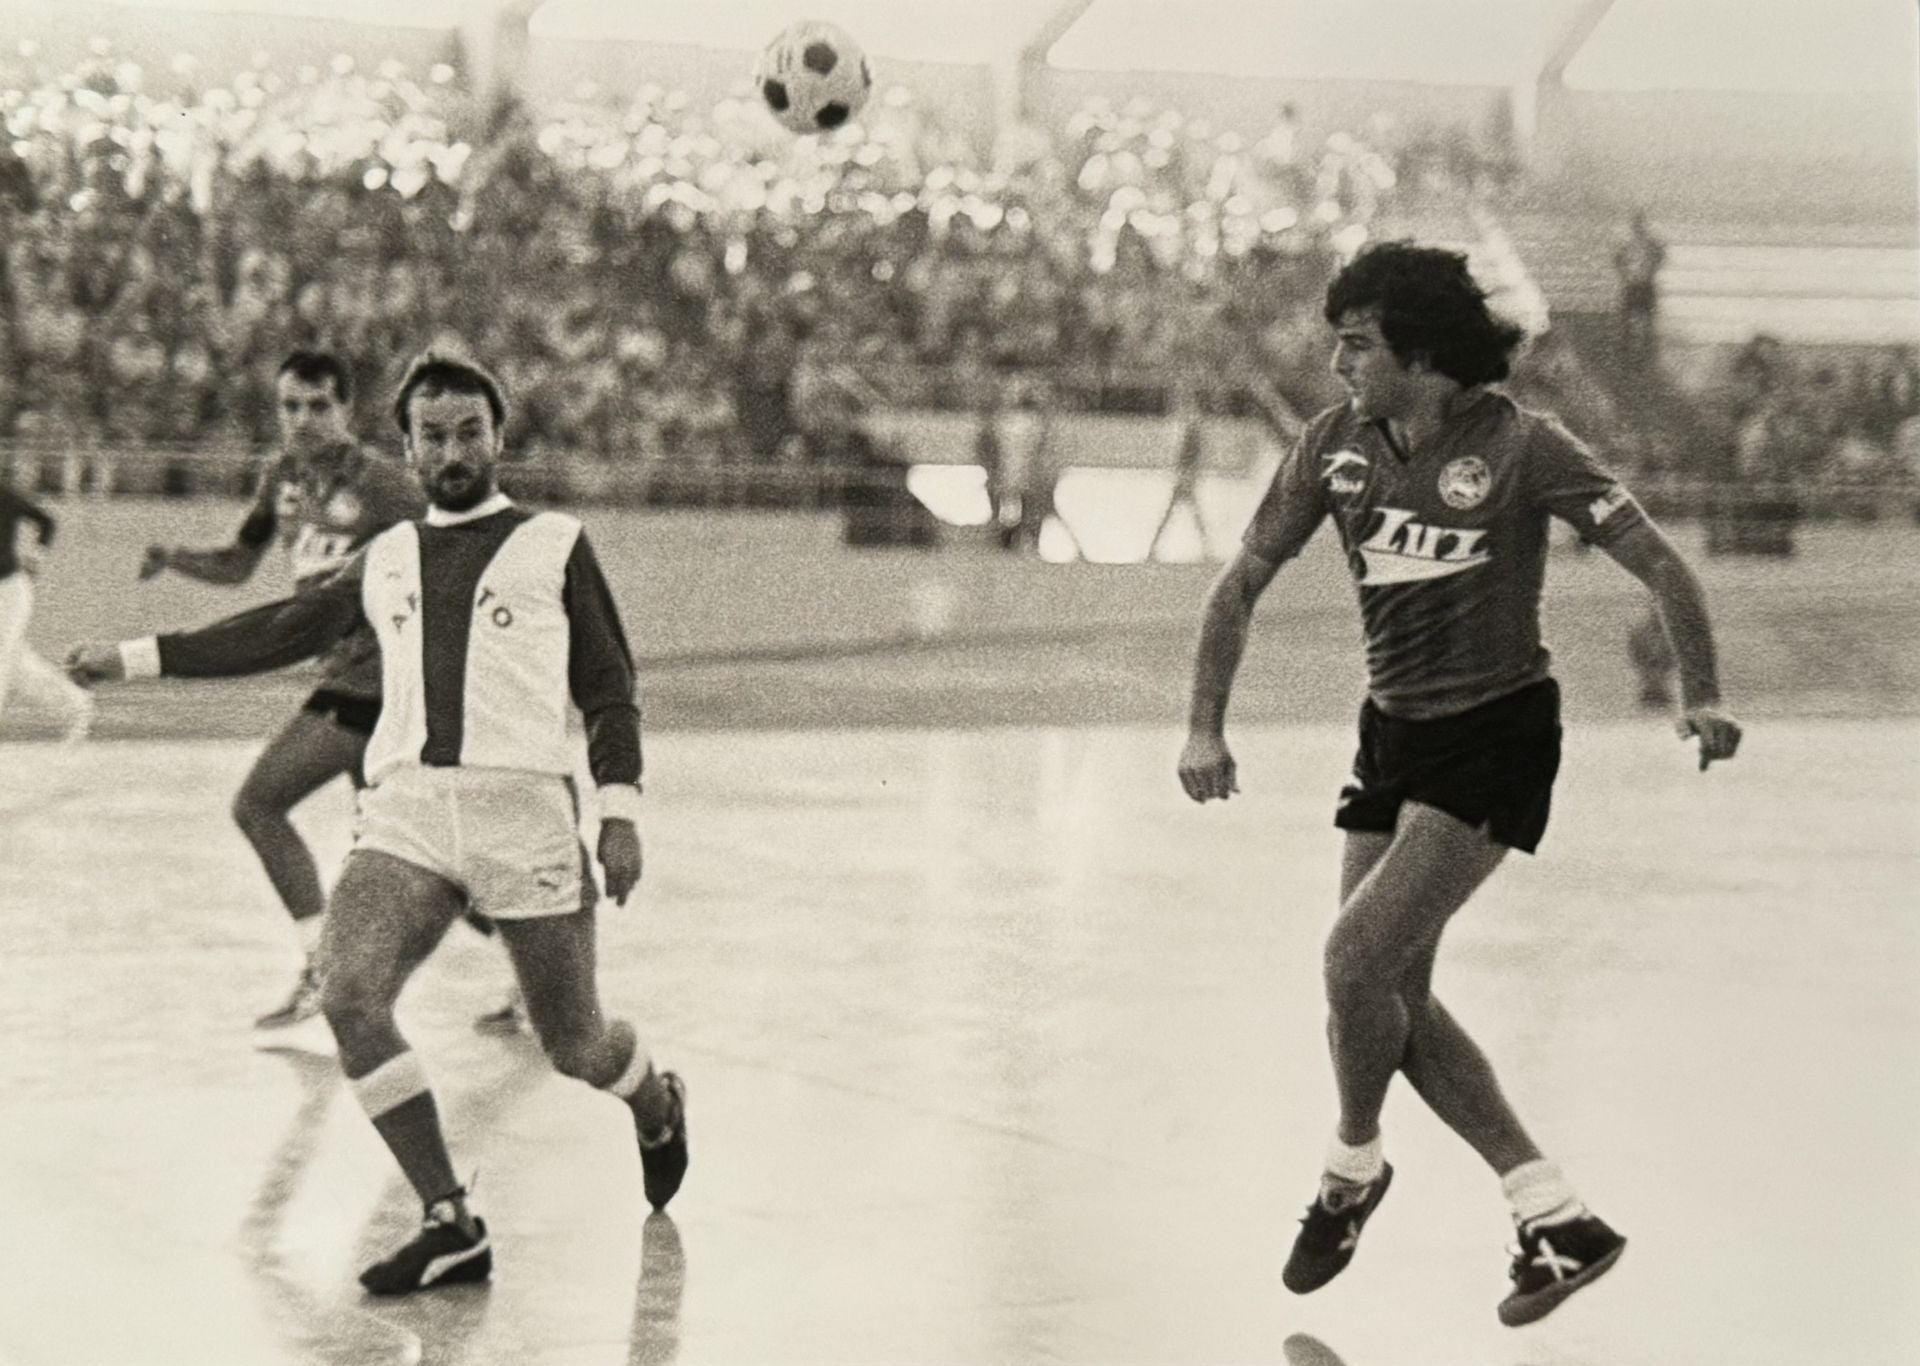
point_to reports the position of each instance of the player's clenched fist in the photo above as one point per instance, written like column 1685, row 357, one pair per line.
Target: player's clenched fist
column 1206, row 768
column 1719, row 733
column 91, row 664
column 154, row 561
column 620, row 857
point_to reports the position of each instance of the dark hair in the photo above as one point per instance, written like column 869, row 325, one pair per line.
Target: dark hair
column 436, row 372
column 1430, row 310
column 319, row 367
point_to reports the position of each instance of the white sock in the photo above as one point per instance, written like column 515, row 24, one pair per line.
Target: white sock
column 1539, row 1194
column 307, row 931
column 1356, row 1166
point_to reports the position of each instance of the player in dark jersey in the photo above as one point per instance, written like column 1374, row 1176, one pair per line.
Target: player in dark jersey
column 323, row 496
column 1440, row 488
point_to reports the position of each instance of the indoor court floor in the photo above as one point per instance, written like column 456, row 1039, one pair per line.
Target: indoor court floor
column 998, row 1051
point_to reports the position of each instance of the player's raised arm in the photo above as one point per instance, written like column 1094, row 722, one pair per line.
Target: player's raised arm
column 600, row 676
column 255, row 641
column 228, row 564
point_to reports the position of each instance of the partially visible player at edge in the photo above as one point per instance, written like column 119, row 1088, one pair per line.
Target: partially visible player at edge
column 1441, row 489
column 323, row 496
column 490, row 621
column 23, row 672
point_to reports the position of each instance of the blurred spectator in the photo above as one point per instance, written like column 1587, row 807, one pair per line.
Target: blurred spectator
column 1183, row 496
column 1636, row 264
column 663, row 283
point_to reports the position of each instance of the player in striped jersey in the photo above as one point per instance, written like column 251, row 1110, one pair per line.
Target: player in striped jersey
column 492, row 624
column 1440, row 488
column 323, row 497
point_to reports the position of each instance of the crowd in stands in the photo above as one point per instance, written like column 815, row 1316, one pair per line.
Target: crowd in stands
column 656, row 280
column 686, row 288
column 1844, row 420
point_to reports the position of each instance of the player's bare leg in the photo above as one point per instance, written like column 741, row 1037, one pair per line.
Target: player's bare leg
column 1562, row 1246
column 555, row 958
column 1392, row 918
column 1399, row 891
column 1442, row 1062
column 309, row 752
column 386, row 916
column 305, row 755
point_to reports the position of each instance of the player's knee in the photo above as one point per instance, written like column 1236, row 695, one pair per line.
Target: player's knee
column 253, row 812
column 352, row 1002
column 572, row 1055
column 1351, row 968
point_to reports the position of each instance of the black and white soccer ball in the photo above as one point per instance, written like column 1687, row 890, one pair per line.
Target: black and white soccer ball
column 813, row 77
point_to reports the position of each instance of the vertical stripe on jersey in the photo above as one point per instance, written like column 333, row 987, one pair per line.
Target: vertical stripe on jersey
column 452, row 559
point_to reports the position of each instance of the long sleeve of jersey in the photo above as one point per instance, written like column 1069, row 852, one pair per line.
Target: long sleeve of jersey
column 600, row 671
column 269, row 637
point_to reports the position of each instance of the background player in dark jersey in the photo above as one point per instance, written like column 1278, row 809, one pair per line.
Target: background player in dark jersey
column 494, row 624
column 1440, row 489
column 23, row 673
column 322, row 497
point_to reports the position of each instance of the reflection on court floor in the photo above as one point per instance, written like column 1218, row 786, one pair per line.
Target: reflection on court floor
column 998, row 1051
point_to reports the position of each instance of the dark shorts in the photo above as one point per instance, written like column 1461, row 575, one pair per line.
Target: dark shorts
column 1491, row 766
column 357, row 714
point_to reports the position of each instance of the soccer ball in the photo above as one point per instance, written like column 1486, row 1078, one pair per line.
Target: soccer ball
column 814, row 77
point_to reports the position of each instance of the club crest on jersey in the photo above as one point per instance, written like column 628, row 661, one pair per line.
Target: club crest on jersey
column 1400, row 549
column 1465, row 483
column 343, row 509
column 1339, row 482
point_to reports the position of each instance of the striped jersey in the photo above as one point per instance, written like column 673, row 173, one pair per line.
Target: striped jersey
column 1447, row 545
column 490, row 626
column 323, row 508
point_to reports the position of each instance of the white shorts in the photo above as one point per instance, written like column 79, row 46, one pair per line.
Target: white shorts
column 509, row 840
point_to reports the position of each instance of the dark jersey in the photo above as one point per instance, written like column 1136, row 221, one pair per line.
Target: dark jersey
column 1448, row 546
column 322, row 509
column 15, row 509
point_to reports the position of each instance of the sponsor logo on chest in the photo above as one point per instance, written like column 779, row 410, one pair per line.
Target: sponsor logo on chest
column 1399, row 548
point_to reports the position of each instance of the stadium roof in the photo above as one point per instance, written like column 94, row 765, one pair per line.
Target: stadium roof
column 1770, row 45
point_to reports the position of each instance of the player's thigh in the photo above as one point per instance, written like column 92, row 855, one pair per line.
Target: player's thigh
column 306, row 754
column 556, row 959
column 384, row 917
column 1397, row 912
column 1362, row 853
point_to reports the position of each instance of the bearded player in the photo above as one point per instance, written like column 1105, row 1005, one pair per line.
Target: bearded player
column 323, row 497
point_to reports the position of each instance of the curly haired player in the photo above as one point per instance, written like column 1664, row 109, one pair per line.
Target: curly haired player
column 1440, row 488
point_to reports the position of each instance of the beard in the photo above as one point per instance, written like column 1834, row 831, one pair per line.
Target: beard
column 459, row 487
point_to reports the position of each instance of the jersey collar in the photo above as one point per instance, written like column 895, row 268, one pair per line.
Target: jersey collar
column 437, row 516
